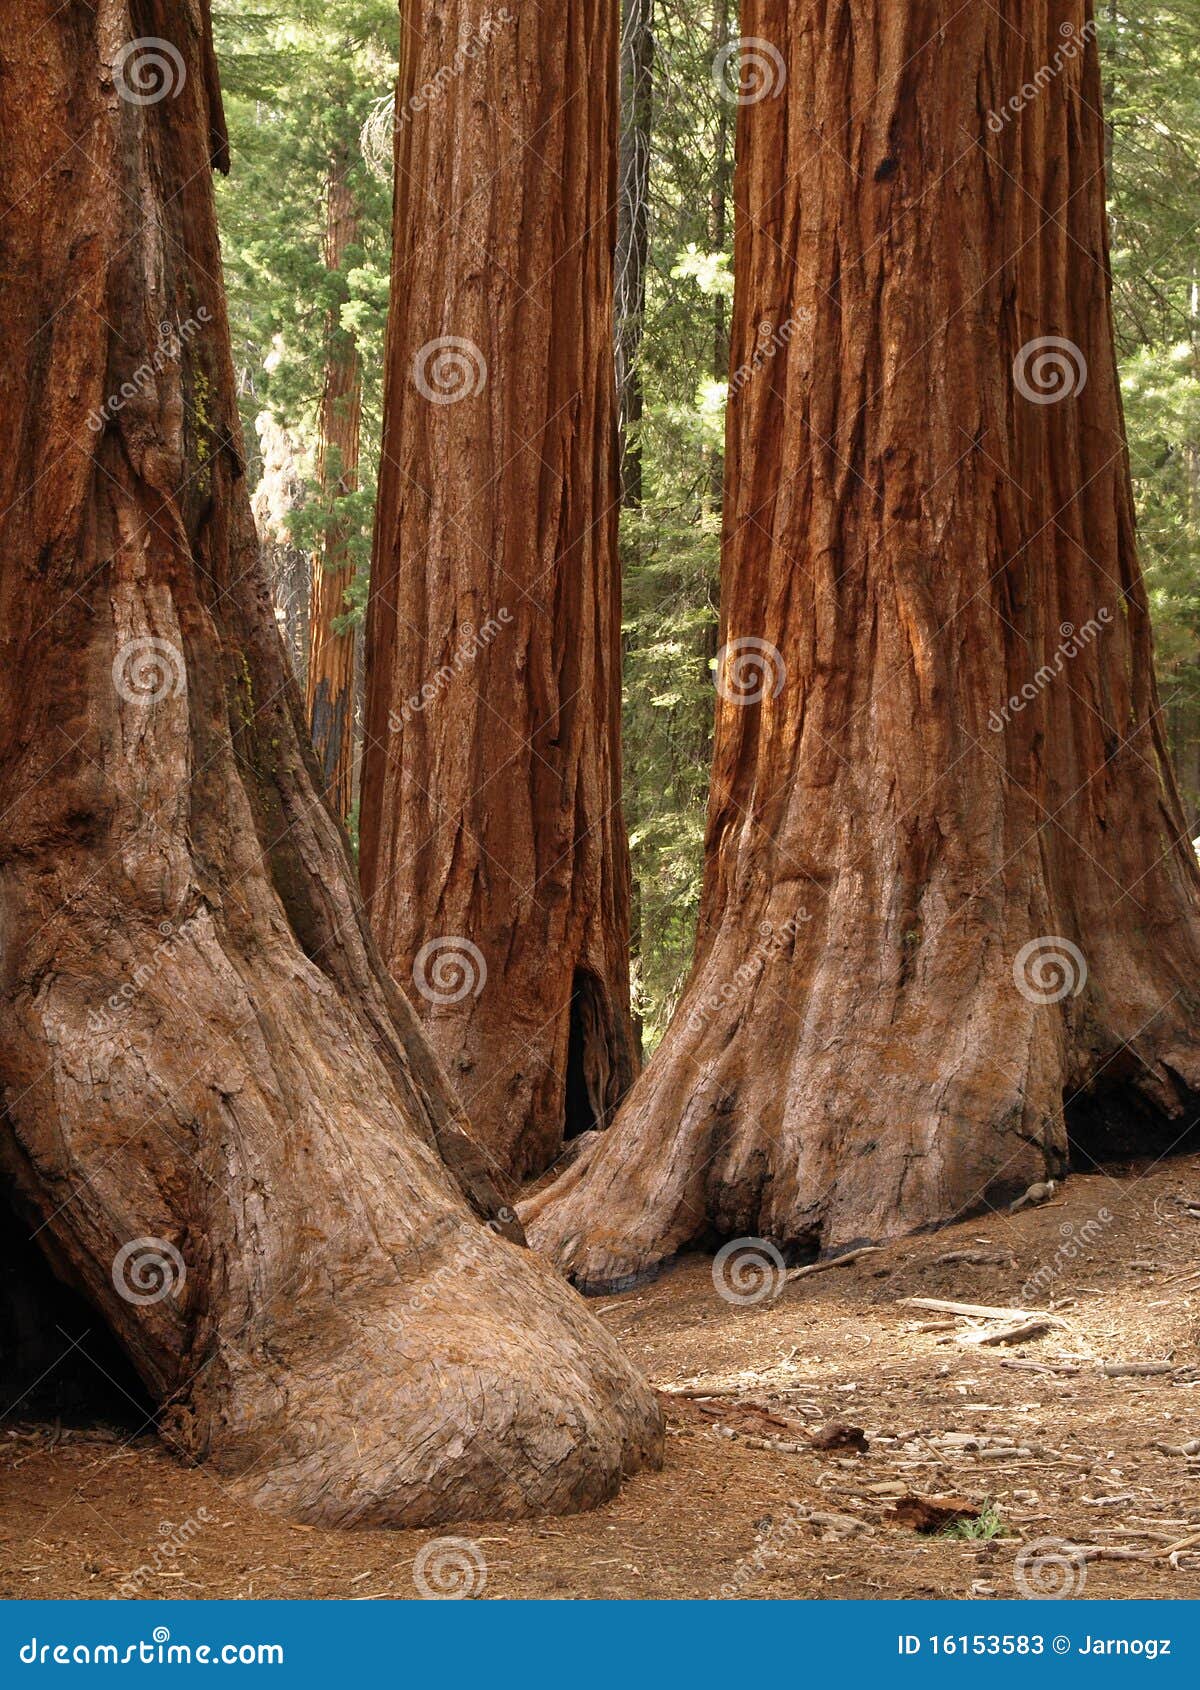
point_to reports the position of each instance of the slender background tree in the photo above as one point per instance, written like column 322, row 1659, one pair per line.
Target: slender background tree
column 306, row 235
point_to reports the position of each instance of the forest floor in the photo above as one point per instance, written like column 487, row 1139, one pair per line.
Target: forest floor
column 1034, row 1435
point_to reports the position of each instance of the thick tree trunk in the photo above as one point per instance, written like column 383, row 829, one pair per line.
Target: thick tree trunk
column 330, row 651
column 914, row 537
column 221, row 1119
column 633, row 232
column 491, row 778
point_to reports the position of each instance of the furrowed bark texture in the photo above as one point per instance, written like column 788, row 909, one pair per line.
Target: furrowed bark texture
column 330, row 653
column 491, row 777
column 633, row 231
column 222, row 1122
column 866, row 1046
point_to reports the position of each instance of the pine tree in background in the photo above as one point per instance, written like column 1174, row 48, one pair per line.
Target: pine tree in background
column 670, row 533
column 306, row 238
column 1150, row 54
column 331, row 643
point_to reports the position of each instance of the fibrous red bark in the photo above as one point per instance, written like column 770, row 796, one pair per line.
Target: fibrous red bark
column 222, row 1122
column 491, row 774
column 928, row 515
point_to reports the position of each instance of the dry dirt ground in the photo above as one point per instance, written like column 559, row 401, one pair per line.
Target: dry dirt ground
column 1034, row 1433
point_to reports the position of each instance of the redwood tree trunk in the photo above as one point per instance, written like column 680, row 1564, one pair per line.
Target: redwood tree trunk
column 221, row 1121
column 867, row 1044
column 633, row 232
column 491, row 779
column 330, row 651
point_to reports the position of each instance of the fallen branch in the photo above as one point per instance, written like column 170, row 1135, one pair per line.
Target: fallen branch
column 976, row 1258
column 1030, row 1328
column 978, row 1311
column 1031, row 1366
column 1137, row 1369
column 699, row 1393
column 841, row 1261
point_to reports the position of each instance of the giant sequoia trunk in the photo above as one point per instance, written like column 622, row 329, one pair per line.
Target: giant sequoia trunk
column 222, row 1123
column 877, row 1035
column 491, row 776
column 633, row 232
column 331, row 651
